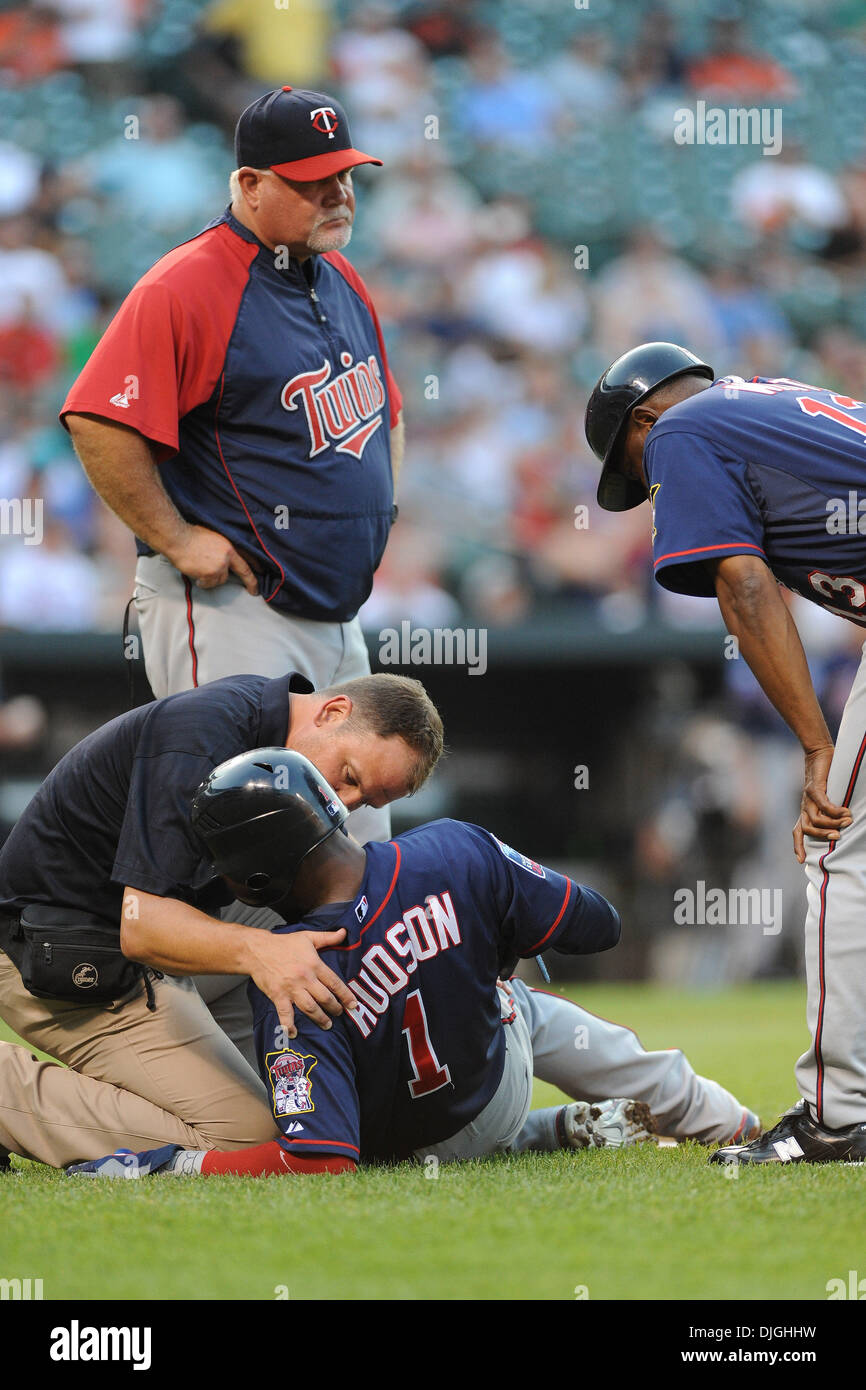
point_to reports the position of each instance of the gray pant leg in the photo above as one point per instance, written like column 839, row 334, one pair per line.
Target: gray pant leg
column 368, row 822
column 205, row 634
column 590, row 1058
column 231, row 1011
column 831, row 1074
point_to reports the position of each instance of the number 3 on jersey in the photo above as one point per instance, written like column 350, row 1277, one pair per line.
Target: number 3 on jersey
column 847, row 588
column 428, row 1075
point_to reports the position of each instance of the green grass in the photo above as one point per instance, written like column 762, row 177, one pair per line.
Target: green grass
column 645, row 1223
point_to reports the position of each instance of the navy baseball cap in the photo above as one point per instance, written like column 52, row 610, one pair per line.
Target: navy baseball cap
column 303, row 135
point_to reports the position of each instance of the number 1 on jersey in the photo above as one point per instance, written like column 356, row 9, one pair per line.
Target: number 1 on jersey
column 810, row 406
column 428, row 1074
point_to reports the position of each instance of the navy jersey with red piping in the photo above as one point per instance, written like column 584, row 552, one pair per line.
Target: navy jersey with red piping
column 442, row 911
column 768, row 467
column 266, row 392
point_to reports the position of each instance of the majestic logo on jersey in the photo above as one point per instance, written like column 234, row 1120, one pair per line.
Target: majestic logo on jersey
column 289, row 1074
column 120, row 400
column 324, row 118
column 517, row 858
column 344, row 412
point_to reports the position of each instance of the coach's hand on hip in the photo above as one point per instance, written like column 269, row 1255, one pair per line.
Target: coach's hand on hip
column 209, row 559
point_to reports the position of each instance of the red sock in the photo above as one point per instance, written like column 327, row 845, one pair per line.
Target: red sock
column 270, row 1160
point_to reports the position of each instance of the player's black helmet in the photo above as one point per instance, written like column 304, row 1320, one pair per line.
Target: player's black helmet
column 259, row 815
column 631, row 378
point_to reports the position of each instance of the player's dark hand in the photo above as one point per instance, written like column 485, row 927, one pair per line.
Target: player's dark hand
column 820, row 818
column 290, row 971
column 209, row 559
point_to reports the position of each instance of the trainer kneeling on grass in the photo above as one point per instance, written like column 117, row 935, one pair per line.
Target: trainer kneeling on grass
column 104, row 886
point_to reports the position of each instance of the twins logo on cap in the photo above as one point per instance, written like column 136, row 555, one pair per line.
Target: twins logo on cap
column 324, row 118
column 299, row 134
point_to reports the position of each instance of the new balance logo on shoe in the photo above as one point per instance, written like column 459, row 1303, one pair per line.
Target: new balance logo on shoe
column 787, row 1149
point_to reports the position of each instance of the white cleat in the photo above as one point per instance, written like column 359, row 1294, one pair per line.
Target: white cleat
column 606, row 1124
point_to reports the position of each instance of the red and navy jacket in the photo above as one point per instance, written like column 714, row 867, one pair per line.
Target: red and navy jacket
column 442, row 911
column 266, row 392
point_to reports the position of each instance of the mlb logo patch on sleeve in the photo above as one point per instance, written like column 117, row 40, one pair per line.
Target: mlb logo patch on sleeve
column 517, row 858
column 291, row 1087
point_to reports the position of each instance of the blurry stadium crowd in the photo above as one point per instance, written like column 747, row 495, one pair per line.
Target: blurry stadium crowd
column 534, row 218
column 551, row 131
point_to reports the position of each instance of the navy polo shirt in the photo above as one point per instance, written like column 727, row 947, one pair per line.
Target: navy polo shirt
column 115, row 811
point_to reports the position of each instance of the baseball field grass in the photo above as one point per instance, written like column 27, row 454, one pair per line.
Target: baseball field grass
column 646, row 1223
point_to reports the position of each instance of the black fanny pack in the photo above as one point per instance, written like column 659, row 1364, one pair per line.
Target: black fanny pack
column 64, row 954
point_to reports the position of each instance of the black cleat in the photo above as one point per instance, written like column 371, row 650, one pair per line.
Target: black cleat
column 798, row 1138
column 5, row 1165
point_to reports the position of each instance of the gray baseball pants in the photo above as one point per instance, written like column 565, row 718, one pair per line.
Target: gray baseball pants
column 589, row 1058
column 831, row 1074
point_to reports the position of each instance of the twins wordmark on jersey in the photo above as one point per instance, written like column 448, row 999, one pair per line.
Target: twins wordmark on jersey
column 439, row 913
column 346, row 411
column 765, row 467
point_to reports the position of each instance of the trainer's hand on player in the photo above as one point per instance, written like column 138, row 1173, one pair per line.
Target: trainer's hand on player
column 290, row 971
column 820, row 818
column 208, row 558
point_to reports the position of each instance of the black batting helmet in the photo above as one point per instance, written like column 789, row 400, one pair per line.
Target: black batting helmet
column 628, row 380
column 259, row 815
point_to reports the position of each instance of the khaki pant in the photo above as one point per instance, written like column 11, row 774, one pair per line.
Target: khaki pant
column 133, row 1078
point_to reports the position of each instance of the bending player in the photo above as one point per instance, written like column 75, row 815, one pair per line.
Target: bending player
column 437, row 1057
column 753, row 484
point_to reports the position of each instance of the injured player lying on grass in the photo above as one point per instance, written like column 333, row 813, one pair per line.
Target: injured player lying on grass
column 437, row 1057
